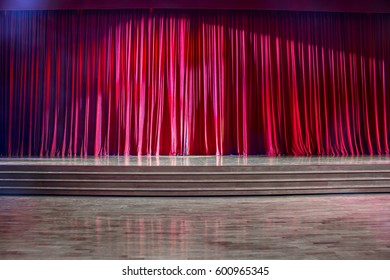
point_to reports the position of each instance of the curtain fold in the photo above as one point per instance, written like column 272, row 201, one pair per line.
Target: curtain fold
column 176, row 82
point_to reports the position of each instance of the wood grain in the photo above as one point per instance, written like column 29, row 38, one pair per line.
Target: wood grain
column 273, row 227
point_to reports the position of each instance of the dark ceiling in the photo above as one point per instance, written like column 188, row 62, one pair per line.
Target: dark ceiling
column 365, row 6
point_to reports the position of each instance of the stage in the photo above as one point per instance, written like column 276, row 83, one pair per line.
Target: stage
column 194, row 175
column 90, row 216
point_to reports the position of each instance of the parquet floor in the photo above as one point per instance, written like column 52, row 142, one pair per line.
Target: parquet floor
column 276, row 227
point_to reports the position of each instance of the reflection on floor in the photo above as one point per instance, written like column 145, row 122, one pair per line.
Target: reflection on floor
column 286, row 227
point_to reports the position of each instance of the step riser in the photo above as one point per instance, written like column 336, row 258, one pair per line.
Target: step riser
column 194, row 184
column 154, row 192
column 209, row 176
column 207, row 169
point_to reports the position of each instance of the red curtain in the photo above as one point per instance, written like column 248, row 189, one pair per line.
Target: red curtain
column 137, row 82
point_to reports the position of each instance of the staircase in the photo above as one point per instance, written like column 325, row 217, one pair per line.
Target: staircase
column 228, row 180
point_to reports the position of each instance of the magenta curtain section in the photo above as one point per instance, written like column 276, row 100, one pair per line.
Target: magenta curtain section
column 139, row 82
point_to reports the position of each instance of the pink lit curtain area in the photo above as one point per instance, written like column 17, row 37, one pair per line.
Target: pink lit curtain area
column 140, row 82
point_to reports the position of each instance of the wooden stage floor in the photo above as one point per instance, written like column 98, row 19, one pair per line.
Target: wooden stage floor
column 195, row 208
column 194, row 175
column 258, row 227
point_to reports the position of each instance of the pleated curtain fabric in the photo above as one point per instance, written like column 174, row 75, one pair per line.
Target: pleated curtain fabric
column 178, row 82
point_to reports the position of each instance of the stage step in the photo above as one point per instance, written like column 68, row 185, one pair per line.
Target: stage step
column 133, row 180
